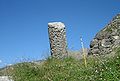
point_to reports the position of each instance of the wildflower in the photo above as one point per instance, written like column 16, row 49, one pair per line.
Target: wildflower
column 100, row 78
column 96, row 71
column 110, row 68
column 117, row 57
column 102, row 69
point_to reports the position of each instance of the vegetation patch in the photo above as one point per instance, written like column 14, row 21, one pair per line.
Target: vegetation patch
column 98, row 68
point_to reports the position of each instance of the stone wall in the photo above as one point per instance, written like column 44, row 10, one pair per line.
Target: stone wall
column 107, row 39
column 57, row 38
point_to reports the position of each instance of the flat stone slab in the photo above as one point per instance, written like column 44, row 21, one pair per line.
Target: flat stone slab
column 58, row 25
column 5, row 78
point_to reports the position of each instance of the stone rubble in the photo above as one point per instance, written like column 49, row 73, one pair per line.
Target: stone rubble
column 107, row 39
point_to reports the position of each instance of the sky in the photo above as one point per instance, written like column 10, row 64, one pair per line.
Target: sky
column 24, row 25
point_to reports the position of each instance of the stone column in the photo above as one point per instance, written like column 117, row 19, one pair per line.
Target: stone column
column 57, row 38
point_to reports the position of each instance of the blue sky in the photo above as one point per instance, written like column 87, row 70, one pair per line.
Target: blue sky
column 24, row 29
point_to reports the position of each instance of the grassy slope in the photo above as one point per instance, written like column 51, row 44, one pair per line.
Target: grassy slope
column 69, row 69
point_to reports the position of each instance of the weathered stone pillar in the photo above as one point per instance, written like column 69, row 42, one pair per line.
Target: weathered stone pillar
column 57, row 37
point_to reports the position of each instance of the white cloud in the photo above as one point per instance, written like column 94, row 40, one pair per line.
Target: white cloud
column 0, row 61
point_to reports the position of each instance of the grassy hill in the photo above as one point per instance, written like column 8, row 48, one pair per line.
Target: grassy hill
column 99, row 68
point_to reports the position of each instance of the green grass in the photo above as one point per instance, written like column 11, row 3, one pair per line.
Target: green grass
column 69, row 69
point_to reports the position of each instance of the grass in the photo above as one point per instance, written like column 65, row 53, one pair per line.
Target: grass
column 69, row 69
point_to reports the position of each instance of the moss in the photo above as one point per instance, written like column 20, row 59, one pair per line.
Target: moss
column 108, row 29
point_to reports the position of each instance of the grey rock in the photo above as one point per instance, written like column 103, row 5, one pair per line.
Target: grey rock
column 57, row 37
column 107, row 39
column 93, row 42
column 95, row 51
column 105, row 43
column 5, row 78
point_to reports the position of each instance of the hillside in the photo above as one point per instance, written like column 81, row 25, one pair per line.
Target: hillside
column 99, row 68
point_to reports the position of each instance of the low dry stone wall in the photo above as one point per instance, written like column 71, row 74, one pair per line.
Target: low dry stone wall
column 107, row 39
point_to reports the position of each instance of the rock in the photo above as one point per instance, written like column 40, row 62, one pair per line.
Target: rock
column 93, row 43
column 105, row 43
column 57, row 38
column 107, row 39
column 5, row 78
column 58, row 25
column 116, row 37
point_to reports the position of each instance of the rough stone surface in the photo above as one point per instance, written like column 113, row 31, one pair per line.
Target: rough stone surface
column 57, row 37
column 5, row 78
column 107, row 39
